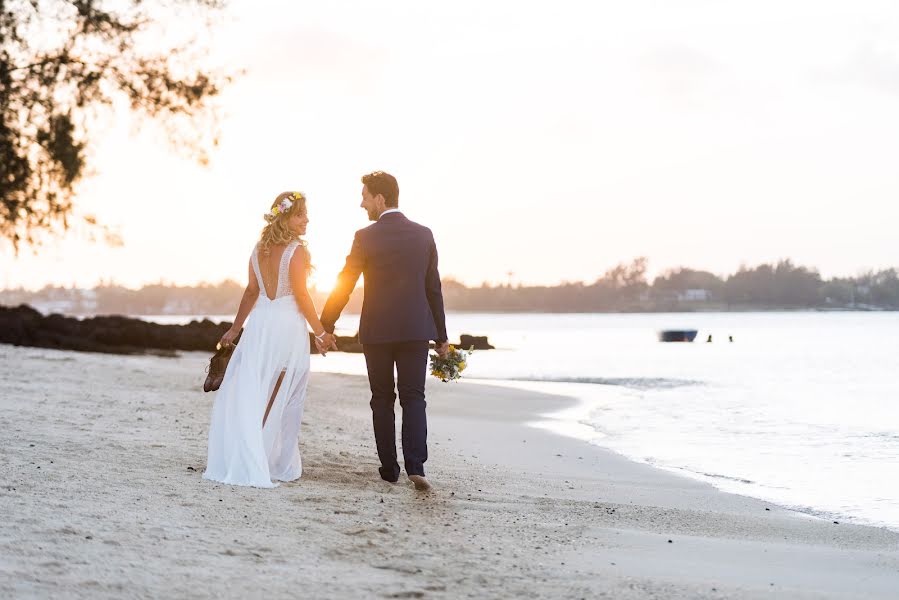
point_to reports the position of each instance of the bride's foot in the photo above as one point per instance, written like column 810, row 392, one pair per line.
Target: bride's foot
column 421, row 484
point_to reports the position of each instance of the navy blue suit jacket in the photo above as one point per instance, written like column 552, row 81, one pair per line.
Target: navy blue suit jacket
column 403, row 298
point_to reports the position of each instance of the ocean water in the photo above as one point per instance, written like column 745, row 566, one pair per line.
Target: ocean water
column 801, row 409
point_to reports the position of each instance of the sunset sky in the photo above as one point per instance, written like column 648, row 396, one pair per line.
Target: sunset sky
column 550, row 140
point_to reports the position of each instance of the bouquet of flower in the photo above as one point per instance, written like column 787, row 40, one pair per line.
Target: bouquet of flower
column 451, row 366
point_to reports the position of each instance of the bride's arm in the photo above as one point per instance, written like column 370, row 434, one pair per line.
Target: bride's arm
column 250, row 295
column 301, row 294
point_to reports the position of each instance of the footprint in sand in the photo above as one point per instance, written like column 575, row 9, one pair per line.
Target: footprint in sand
column 409, row 594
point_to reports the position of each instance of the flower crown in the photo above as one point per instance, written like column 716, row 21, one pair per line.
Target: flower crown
column 283, row 206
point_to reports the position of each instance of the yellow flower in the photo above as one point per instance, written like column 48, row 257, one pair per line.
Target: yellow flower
column 462, row 366
column 452, row 348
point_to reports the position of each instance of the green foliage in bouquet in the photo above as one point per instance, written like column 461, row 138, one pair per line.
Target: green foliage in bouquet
column 451, row 367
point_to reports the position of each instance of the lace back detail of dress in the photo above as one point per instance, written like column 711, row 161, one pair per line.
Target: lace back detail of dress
column 255, row 260
column 283, row 288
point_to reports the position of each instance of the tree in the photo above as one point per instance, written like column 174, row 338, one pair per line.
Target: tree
column 619, row 287
column 626, row 275
column 838, row 291
column 682, row 279
column 62, row 60
column 883, row 287
column 783, row 284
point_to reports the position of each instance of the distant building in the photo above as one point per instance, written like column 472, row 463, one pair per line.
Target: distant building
column 88, row 301
column 178, row 307
column 49, row 307
column 694, row 295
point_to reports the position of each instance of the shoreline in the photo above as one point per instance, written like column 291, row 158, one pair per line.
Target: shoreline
column 570, row 422
column 549, row 414
column 102, row 457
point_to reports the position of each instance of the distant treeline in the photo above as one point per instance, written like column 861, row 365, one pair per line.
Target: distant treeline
column 155, row 299
column 622, row 288
column 626, row 288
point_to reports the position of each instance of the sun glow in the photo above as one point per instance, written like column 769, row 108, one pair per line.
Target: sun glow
column 552, row 145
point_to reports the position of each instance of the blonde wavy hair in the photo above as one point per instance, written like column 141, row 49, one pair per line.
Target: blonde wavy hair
column 276, row 232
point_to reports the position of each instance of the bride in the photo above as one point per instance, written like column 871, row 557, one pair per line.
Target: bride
column 255, row 425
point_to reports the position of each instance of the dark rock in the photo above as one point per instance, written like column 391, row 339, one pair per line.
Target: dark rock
column 115, row 334
column 24, row 326
column 349, row 344
column 479, row 342
column 345, row 343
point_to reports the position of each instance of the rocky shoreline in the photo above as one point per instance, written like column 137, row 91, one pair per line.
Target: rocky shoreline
column 24, row 326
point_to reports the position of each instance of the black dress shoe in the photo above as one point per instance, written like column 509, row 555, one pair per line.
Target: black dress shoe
column 389, row 475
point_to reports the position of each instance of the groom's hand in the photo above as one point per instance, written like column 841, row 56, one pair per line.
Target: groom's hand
column 442, row 349
column 330, row 341
column 327, row 342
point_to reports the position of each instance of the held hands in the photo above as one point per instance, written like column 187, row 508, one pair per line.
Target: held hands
column 441, row 349
column 326, row 342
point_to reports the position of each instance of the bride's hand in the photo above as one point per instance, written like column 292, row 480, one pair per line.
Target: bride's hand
column 328, row 341
column 228, row 338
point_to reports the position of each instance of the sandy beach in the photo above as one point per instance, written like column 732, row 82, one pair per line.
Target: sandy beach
column 101, row 496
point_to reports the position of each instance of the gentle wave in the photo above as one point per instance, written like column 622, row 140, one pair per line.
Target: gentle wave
column 637, row 383
column 719, row 476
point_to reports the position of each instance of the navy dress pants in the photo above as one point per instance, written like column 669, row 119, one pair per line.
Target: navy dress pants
column 410, row 361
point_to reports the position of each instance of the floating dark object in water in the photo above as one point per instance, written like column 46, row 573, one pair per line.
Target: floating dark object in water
column 678, row 335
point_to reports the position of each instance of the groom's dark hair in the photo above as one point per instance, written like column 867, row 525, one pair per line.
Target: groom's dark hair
column 385, row 184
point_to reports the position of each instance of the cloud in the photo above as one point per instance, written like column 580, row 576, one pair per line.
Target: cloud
column 306, row 53
column 680, row 71
column 868, row 67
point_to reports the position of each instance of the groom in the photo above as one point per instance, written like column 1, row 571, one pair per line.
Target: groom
column 402, row 310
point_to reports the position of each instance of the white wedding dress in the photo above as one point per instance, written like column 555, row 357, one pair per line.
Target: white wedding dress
column 275, row 340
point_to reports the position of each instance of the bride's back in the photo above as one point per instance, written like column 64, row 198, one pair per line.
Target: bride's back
column 269, row 268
